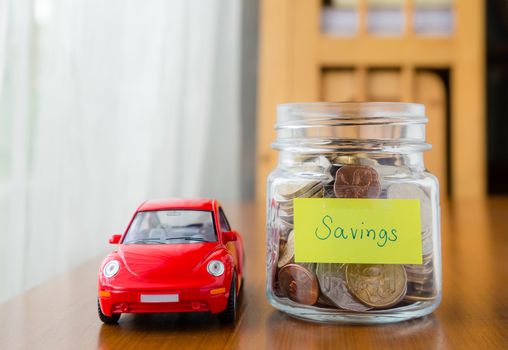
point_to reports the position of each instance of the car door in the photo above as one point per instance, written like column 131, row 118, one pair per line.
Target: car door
column 235, row 247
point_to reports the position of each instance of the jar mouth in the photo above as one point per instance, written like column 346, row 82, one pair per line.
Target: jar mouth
column 365, row 126
column 343, row 113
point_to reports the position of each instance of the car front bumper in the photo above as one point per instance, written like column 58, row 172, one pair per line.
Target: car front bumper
column 118, row 301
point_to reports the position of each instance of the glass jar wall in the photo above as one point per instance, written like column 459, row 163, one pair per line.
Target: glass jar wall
column 338, row 157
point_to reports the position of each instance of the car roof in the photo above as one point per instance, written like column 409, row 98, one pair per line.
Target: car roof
column 178, row 203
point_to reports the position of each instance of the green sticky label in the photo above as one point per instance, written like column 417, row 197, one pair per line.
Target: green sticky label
column 347, row 230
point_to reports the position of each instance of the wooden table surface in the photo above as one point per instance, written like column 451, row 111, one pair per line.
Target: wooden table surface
column 61, row 313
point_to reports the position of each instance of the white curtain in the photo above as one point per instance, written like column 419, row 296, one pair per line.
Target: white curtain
column 104, row 104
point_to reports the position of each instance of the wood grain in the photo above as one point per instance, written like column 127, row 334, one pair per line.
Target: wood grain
column 274, row 82
column 61, row 314
column 468, row 126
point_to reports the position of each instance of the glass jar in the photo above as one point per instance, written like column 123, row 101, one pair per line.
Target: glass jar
column 353, row 229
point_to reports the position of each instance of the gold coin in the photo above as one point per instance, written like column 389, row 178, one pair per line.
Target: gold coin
column 418, row 298
column 345, row 160
column 286, row 206
column 293, row 189
column 376, row 285
column 316, row 192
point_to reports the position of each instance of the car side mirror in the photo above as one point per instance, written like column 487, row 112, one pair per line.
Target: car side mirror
column 115, row 239
column 228, row 236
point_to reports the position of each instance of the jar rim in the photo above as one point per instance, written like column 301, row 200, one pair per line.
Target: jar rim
column 343, row 113
column 350, row 126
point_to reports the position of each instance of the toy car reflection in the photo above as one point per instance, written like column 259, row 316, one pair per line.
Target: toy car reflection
column 175, row 256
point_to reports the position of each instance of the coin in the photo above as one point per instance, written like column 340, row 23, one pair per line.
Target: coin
column 419, row 298
column 286, row 219
column 289, row 250
column 420, row 273
column 292, row 189
column 285, row 212
column 299, row 284
column 316, row 191
column 357, row 181
column 420, row 291
column 420, row 281
column 283, row 233
column 282, row 246
column 315, row 166
column 286, row 206
column 328, row 191
column 345, row 160
column 376, row 285
column 333, row 285
column 417, row 291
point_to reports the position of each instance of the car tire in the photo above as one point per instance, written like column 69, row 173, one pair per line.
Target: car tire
column 113, row 319
column 229, row 314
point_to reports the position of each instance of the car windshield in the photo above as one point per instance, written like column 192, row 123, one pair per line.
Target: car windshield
column 171, row 227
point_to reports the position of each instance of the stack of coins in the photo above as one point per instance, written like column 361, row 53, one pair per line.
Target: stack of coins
column 286, row 191
column 352, row 287
column 411, row 191
column 420, row 277
column 287, row 250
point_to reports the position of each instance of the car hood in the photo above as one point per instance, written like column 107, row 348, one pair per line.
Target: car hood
column 164, row 260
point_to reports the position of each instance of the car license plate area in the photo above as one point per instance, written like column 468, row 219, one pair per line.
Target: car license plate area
column 159, row 298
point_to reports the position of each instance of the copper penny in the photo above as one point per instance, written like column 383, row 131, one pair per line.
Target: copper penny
column 357, row 181
column 299, row 284
column 376, row 285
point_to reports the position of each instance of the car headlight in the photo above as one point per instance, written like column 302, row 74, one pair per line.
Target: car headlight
column 215, row 268
column 111, row 268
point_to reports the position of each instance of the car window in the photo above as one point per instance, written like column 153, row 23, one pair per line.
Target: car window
column 171, row 227
column 224, row 224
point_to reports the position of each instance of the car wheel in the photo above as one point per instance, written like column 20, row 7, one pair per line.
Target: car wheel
column 113, row 319
column 229, row 314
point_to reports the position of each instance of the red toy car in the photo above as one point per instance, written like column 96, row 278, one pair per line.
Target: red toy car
column 175, row 256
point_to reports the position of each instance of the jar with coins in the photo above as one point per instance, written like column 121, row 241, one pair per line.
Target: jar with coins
column 353, row 229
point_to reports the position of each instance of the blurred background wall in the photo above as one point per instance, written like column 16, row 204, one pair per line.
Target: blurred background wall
column 426, row 51
column 106, row 104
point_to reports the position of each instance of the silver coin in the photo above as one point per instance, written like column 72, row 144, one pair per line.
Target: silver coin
column 314, row 166
column 420, row 273
column 288, row 252
column 332, row 283
column 287, row 224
